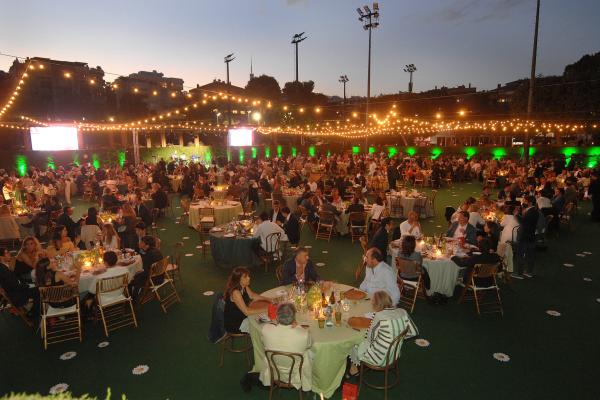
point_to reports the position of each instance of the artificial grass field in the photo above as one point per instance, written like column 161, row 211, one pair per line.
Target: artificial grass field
column 550, row 357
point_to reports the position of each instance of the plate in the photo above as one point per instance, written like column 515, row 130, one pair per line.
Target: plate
column 217, row 229
column 359, row 322
column 477, row 253
column 259, row 304
column 354, row 294
column 229, row 235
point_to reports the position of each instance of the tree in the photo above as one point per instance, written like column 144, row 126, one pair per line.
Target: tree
column 265, row 87
column 299, row 92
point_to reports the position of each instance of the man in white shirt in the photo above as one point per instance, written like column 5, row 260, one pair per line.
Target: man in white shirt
column 543, row 202
column 288, row 336
column 380, row 276
column 264, row 229
column 412, row 226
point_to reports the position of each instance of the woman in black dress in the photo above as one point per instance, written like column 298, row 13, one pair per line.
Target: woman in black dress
column 238, row 297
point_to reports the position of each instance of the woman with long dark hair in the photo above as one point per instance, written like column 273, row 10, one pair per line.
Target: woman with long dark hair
column 92, row 216
column 238, row 297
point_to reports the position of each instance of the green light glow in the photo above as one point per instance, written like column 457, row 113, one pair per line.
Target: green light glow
column 76, row 159
column 294, row 151
column 50, row 163
column 122, row 158
column 392, row 151
column 411, row 151
column 532, row 151
column 470, row 152
column 328, row 153
column 371, row 150
column 435, row 153
column 241, row 156
column 594, row 156
column 267, row 152
column 498, row 152
column 254, row 152
column 568, row 153
column 21, row 165
column 95, row 161
column 312, row 151
column 355, row 149
column 208, row 156
column 279, row 151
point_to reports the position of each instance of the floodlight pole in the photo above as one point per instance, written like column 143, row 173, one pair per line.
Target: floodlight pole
column 370, row 20
column 229, row 58
column 531, row 83
column 297, row 38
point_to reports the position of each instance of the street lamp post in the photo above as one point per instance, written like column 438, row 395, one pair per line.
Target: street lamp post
column 297, row 38
column 531, row 83
column 344, row 79
column 228, row 58
column 370, row 20
column 410, row 68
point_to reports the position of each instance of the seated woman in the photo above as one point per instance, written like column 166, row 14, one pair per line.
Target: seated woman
column 378, row 209
column 30, row 253
column 386, row 325
column 46, row 274
column 60, row 243
column 92, row 217
column 238, row 297
column 110, row 238
column 287, row 336
column 126, row 227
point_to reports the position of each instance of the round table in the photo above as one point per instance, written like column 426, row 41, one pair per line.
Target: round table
column 224, row 213
column 291, row 200
column 408, row 204
column 231, row 252
column 87, row 280
column 331, row 345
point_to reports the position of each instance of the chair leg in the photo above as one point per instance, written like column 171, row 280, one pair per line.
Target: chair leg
column 103, row 321
column 360, row 380
column 223, row 343
column 414, row 300
column 385, row 384
column 476, row 301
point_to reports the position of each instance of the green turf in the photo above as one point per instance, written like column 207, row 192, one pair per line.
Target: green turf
column 551, row 357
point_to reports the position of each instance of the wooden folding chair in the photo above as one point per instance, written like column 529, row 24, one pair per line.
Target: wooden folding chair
column 392, row 358
column 66, row 321
column 420, row 206
column 472, row 291
column 228, row 345
column 358, row 224
column 174, row 267
column 410, row 289
column 20, row 311
column 292, row 362
column 325, row 225
column 207, row 219
column 396, row 208
column 431, row 201
column 154, row 286
column 114, row 303
column 205, row 243
column 362, row 264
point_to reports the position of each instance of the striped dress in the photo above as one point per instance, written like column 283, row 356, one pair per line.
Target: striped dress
column 386, row 325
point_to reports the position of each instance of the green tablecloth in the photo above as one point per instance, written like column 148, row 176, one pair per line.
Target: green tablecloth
column 234, row 252
column 330, row 349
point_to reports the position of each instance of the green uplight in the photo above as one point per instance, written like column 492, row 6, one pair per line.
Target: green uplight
column 392, row 151
column 208, row 156
column 294, row 151
column 267, row 152
column 371, row 150
column 76, row 159
column 254, row 152
column 355, row 149
column 122, row 158
column 435, row 153
column 95, row 161
column 279, row 151
column 532, row 151
column 50, row 163
column 21, row 165
column 328, row 153
column 568, row 153
column 470, row 152
column 594, row 156
column 498, row 152
column 411, row 151
column 312, row 151
column 241, row 156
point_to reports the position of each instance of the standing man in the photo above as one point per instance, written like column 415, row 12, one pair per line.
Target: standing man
column 291, row 226
column 392, row 175
column 381, row 237
column 525, row 256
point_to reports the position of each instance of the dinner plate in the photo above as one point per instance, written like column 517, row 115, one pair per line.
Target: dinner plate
column 229, row 235
column 359, row 322
column 354, row 294
column 477, row 253
column 217, row 229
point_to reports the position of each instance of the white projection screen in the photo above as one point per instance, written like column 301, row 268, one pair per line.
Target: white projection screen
column 240, row 137
column 54, row 138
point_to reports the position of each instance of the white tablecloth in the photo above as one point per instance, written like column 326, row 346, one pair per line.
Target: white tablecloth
column 87, row 281
column 223, row 213
column 408, row 204
column 9, row 228
column 443, row 273
column 175, row 181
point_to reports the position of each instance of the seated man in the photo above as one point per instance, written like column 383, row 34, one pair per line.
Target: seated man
column 66, row 220
column 18, row 293
column 110, row 201
column 487, row 256
column 287, row 336
column 381, row 237
column 265, row 228
column 161, row 201
column 299, row 269
column 380, row 276
column 275, row 215
column 110, row 262
column 150, row 254
column 291, row 226
column 462, row 229
column 412, row 226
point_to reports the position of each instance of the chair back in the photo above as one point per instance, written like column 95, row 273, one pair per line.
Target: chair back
column 207, row 212
column 89, row 234
column 326, row 218
column 282, row 366
column 485, row 270
column 114, row 285
column 176, row 258
column 272, row 243
column 159, row 268
column 393, row 352
column 408, row 267
column 357, row 218
column 58, row 294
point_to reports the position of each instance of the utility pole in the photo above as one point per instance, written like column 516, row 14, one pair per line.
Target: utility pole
column 531, row 82
column 228, row 58
column 370, row 20
column 410, row 68
column 344, row 79
column 297, row 38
